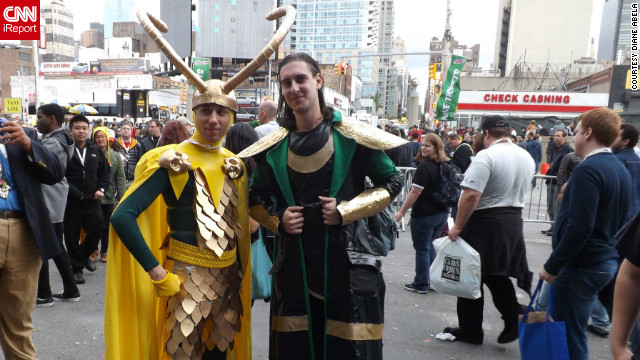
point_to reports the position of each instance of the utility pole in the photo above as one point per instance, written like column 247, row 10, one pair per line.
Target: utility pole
column 446, row 52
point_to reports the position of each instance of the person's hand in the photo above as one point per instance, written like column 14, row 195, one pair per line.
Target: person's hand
column 330, row 212
column 292, row 220
column 167, row 286
column 398, row 216
column 98, row 195
column 621, row 354
column 453, row 233
column 544, row 275
column 13, row 133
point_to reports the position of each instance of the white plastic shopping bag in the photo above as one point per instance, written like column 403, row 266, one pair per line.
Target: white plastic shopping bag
column 456, row 268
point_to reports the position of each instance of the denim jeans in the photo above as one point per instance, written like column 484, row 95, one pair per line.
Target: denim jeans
column 599, row 316
column 423, row 230
column 575, row 292
column 543, row 298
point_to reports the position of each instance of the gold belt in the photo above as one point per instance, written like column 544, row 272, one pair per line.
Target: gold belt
column 193, row 255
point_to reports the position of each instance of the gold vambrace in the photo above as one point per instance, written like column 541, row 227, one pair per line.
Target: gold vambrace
column 368, row 203
column 259, row 214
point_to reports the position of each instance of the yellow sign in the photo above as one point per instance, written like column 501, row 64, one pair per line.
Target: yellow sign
column 13, row 106
column 627, row 85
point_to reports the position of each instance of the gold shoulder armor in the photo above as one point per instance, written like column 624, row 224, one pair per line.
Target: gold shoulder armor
column 369, row 136
column 174, row 161
column 264, row 143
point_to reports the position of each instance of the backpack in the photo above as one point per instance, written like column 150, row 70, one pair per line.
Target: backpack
column 448, row 191
column 384, row 229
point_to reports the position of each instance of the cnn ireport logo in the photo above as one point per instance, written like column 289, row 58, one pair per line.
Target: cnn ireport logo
column 20, row 20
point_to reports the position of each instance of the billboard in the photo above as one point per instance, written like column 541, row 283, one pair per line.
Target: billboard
column 100, row 67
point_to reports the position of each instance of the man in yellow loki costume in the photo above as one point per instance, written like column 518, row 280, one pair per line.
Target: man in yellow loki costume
column 179, row 277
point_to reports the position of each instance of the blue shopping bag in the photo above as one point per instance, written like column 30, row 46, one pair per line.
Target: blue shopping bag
column 542, row 340
column 260, row 267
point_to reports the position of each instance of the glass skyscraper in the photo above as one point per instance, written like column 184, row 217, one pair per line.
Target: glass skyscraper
column 116, row 11
column 338, row 30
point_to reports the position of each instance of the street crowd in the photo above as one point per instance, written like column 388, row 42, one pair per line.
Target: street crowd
column 174, row 213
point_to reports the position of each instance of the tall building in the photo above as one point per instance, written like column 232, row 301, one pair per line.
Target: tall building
column 339, row 30
column 99, row 28
column 529, row 32
column 91, row 38
column 615, row 30
column 118, row 11
column 470, row 52
column 59, row 28
column 142, row 43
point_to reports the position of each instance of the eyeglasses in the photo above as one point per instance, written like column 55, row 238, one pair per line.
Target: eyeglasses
column 125, row 129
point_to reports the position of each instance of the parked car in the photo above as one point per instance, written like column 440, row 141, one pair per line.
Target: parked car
column 244, row 117
column 248, row 100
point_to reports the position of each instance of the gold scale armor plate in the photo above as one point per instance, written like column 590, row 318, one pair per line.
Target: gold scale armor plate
column 207, row 311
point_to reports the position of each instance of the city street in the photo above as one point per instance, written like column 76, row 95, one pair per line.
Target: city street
column 74, row 331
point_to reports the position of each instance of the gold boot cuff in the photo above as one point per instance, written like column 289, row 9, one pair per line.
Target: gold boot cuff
column 206, row 258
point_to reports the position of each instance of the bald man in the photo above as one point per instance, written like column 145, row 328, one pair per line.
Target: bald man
column 267, row 116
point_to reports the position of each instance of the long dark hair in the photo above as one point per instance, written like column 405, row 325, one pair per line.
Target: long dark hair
column 239, row 137
column 286, row 118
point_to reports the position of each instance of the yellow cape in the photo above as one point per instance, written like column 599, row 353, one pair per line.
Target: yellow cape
column 134, row 316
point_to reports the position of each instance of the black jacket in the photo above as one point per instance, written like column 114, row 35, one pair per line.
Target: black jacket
column 462, row 157
column 28, row 176
column 85, row 180
column 149, row 144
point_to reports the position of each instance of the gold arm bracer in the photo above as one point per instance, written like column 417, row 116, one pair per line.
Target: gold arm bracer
column 259, row 214
column 368, row 203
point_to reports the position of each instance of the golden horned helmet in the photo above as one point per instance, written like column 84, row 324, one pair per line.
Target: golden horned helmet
column 218, row 91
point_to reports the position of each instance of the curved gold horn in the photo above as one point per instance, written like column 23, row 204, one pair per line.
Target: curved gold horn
column 152, row 25
column 290, row 15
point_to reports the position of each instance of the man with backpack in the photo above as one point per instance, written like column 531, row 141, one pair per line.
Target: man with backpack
column 490, row 220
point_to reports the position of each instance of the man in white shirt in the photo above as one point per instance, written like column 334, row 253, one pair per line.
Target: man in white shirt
column 490, row 219
column 267, row 112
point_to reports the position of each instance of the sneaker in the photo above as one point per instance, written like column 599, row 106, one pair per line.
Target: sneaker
column 415, row 289
column 103, row 258
column 463, row 336
column 597, row 330
column 64, row 297
column 44, row 302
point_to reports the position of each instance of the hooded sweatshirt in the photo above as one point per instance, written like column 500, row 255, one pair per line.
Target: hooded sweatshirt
column 60, row 143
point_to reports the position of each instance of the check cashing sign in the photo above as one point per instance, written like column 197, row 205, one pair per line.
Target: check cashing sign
column 448, row 101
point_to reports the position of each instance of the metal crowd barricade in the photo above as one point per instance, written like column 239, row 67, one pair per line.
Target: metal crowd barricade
column 536, row 207
column 407, row 179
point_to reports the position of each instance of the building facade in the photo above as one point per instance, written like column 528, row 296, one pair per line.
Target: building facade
column 472, row 53
column 59, row 28
column 117, row 11
column 529, row 32
column 18, row 61
column 332, row 31
column 615, row 30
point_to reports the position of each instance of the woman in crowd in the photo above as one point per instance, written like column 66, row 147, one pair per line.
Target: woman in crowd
column 427, row 217
column 173, row 132
column 116, row 184
column 239, row 137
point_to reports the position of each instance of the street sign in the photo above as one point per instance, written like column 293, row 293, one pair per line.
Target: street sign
column 32, row 98
column 12, row 106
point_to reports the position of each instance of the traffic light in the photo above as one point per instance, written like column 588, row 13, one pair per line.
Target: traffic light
column 433, row 69
column 345, row 67
column 183, row 95
column 338, row 67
